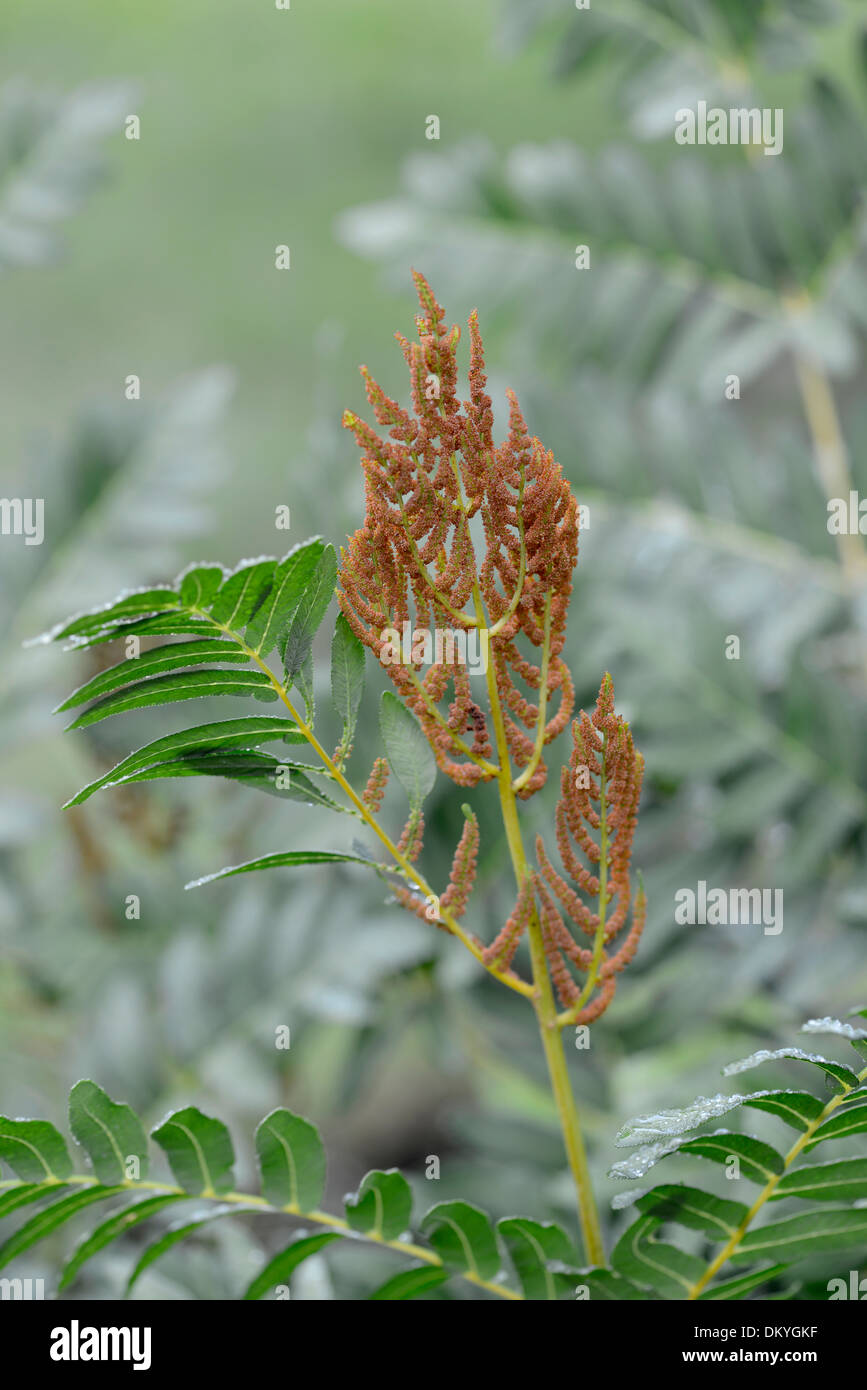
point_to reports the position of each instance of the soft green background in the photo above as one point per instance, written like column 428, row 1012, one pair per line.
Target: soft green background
column 258, row 127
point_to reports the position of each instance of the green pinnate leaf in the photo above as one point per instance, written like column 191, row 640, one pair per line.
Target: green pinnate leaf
column 223, row 734
column 110, row 1132
column 296, row 645
column 604, row 1286
column 34, row 1150
column 408, row 751
column 852, row 1120
column 157, row 661
column 663, row 1125
column 411, row 1283
column 25, row 1193
column 844, row 1075
column 736, row 1288
column 133, row 604
column 289, row 859
column 49, row 1220
column 292, row 576
column 178, row 623
column 757, row 1160
column 291, row 1160
column 533, row 1246
column 278, row 777
column 347, row 675
column 639, row 1256
column 179, row 1232
column 463, row 1237
column 240, row 595
column 198, row 585
column 199, row 1150
column 382, row 1204
column 278, row 1270
column 718, row 1217
column 187, row 685
column 796, row 1108
column 843, row 1180
column 810, row 1234
column 116, row 1225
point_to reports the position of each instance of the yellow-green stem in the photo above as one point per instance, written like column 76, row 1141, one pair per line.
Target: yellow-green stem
column 413, row 875
column 254, row 1203
column 544, row 1004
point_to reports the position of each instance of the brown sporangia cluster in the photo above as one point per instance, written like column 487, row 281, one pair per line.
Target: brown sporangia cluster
column 462, row 533
column 600, row 790
column 461, row 879
column 428, row 476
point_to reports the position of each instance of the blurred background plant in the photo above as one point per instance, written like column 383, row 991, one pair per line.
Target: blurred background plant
column 707, row 519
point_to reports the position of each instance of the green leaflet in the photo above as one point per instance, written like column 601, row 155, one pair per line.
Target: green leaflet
column 23, row 1194
column 47, row 1221
column 109, row 1230
column 757, row 1160
column 222, row 734
column 34, row 1150
column 638, row 1256
column 133, row 604
column 296, row 646
column 177, row 624
column 199, row 1150
column 158, row 660
column 532, row 1246
column 663, row 1125
column 292, row 1164
column 291, row 1160
column 736, row 1288
column 796, row 1108
column 290, row 581
column 690, row 1206
column 845, row 1179
column 178, row 1232
column 289, row 859
column 263, row 771
column 411, row 1283
column 188, row 685
column 111, row 1133
column 240, row 595
column 850, row 1121
column 199, row 584
column 407, row 749
column 463, row 1237
column 278, row 1270
column 347, row 675
column 382, row 1204
column 604, row 1286
column 844, row 1075
column 799, row 1236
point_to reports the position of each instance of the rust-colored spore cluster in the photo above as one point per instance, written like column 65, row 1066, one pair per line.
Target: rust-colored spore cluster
column 414, row 561
column 600, row 790
column 437, row 487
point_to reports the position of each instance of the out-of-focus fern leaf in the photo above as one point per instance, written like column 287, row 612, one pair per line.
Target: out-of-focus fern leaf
column 50, row 160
